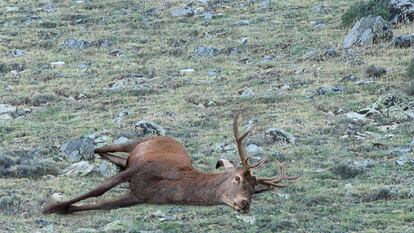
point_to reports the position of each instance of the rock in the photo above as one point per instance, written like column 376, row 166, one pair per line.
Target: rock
column 327, row 90
column 349, row 78
column 242, row 22
column 186, row 71
column 330, row 52
column 207, row 16
column 86, row 230
column 356, row 117
column 318, row 25
column 58, row 197
column 279, row 136
column 16, row 53
column 105, row 168
column 118, row 120
column 373, row 71
column 402, row 11
column 7, row 109
column 12, row 8
column 148, row 127
column 223, row 147
column 81, row 168
column 243, row 41
column 365, row 163
column 254, row 150
column 183, row 12
column 403, row 41
column 161, row 216
column 247, row 92
column 73, row 43
column 206, row 51
column 57, row 64
column 135, row 85
column 367, row 31
column 78, row 149
column 412, row 145
column 121, row 140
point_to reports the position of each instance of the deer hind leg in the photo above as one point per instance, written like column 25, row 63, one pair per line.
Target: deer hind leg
column 124, row 201
column 64, row 207
column 118, row 161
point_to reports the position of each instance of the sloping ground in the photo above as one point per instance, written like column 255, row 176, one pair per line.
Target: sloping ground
column 70, row 67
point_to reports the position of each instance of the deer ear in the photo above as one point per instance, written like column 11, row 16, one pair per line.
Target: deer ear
column 227, row 164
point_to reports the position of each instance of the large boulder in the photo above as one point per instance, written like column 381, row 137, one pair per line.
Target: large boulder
column 367, row 31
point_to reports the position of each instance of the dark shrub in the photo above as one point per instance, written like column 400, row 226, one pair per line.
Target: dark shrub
column 362, row 8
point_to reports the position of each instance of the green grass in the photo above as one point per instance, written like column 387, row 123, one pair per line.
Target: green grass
column 158, row 47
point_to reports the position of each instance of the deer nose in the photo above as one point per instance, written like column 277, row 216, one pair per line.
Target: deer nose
column 245, row 204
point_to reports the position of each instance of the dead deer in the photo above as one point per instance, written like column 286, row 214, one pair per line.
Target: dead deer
column 159, row 171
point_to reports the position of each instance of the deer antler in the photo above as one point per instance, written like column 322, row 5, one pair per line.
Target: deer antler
column 274, row 181
column 239, row 143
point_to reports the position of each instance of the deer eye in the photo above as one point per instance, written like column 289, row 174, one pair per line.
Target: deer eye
column 237, row 179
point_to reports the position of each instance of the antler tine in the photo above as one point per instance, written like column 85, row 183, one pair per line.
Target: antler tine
column 274, row 181
column 239, row 139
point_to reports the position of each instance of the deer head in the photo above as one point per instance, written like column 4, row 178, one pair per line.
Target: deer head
column 241, row 185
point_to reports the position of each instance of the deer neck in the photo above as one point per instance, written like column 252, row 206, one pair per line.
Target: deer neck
column 204, row 188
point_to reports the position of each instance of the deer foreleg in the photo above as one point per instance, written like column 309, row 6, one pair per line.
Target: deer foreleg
column 124, row 201
column 63, row 207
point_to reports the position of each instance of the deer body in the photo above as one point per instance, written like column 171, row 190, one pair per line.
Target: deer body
column 159, row 171
column 164, row 168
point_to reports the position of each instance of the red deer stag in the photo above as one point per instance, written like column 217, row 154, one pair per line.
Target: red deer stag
column 159, row 171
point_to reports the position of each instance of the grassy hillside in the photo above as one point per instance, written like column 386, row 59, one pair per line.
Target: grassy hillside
column 270, row 58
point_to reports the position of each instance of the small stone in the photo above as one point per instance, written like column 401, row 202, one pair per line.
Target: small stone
column 186, row 71
column 12, row 8
column 247, row 92
column 206, row 51
column 242, row 22
column 73, row 43
column 81, row 168
column 7, row 109
column 183, row 12
column 57, row 64
column 279, row 135
column 207, row 16
column 374, row 71
column 16, row 53
column 243, row 41
column 58, row 197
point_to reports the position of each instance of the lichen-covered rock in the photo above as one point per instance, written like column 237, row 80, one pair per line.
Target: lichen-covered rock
column 368, row 30
column 81, row 168
column 401, row 10
column 77, row 149
column 403, row 41
column 148, row 127
column 279, row 136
